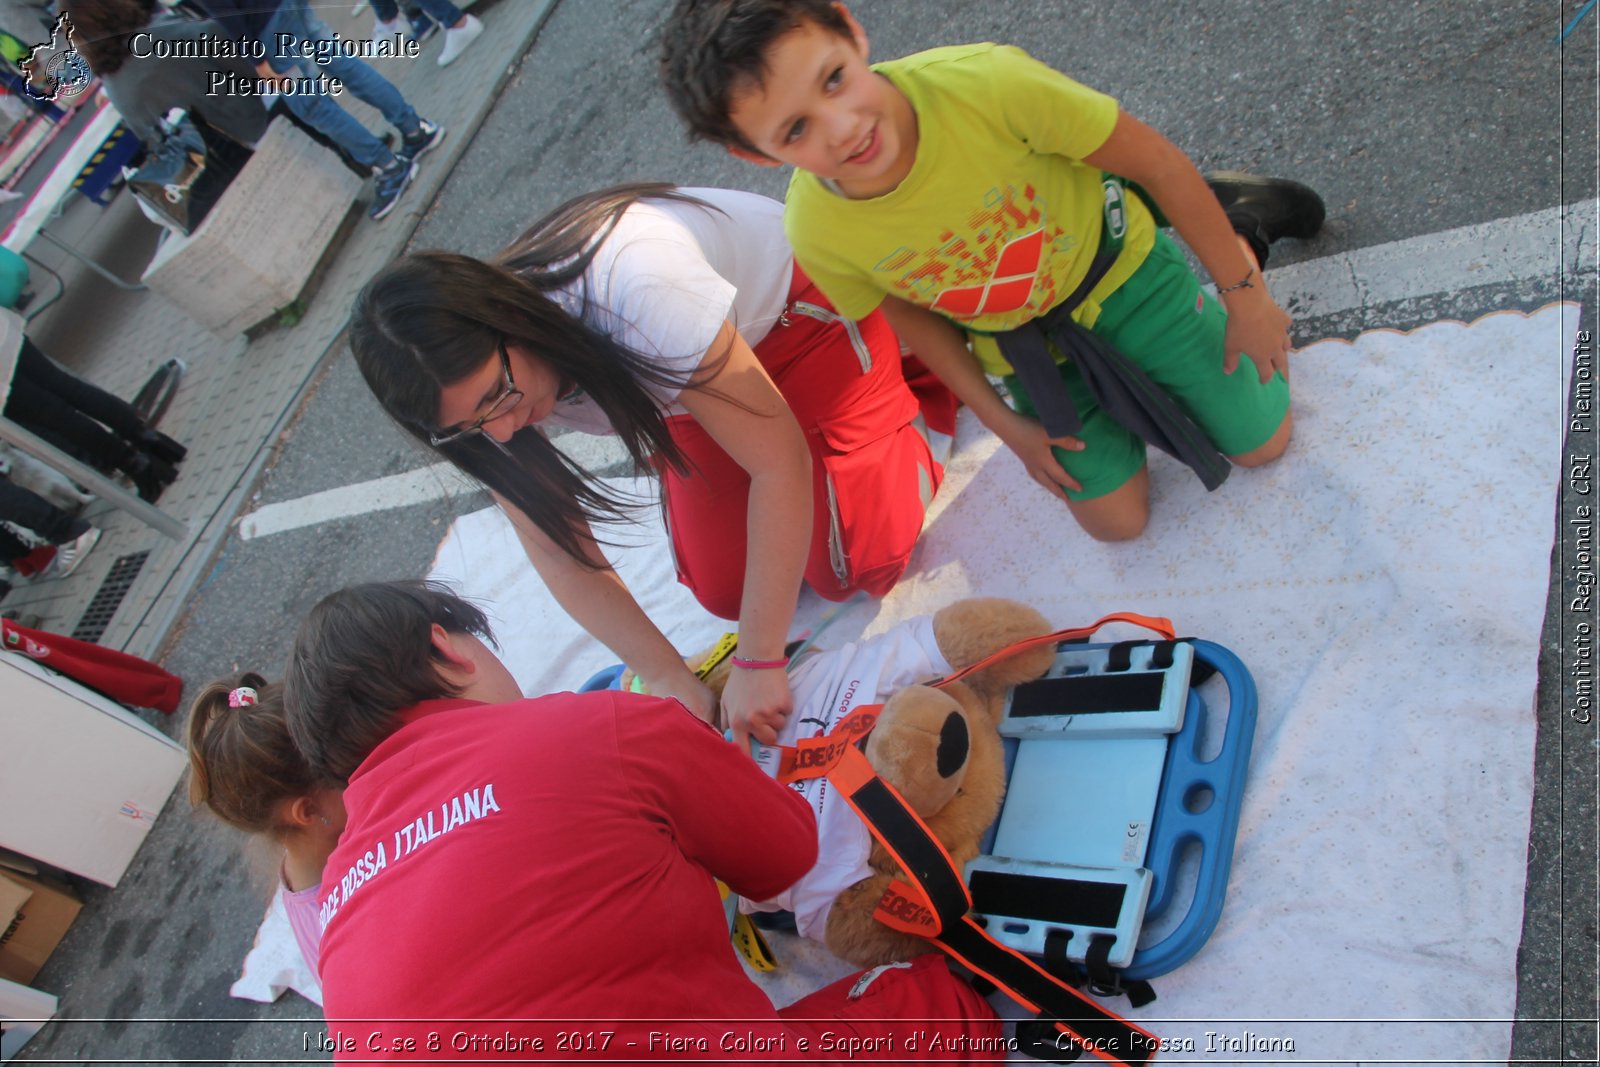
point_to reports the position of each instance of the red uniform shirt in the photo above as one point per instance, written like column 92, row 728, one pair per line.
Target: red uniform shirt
column 535, row 881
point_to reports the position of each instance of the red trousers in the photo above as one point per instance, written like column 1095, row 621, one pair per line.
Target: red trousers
column 912, row 1013
column 872, row 474
column 121, row 677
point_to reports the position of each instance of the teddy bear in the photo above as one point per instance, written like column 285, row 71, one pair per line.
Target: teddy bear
column 938, row 747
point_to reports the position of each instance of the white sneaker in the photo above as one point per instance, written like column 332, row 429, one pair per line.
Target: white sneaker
column 392, row 28
column 457, row 38
column 68, row 556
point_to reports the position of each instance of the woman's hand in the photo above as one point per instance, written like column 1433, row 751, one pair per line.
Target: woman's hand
column 756, row 703
column 1027, row 438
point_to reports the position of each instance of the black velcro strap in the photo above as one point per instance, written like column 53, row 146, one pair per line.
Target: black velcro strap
column 1055, row 957
column 1161, row 654
column 1119, row 657
column 1110, row 1036
column 923, row 859
column 1087, row 694
column 1068, row 901
column 1201, row 669
column 1041, row 1039
column 1139, row 992
column 1097, row 961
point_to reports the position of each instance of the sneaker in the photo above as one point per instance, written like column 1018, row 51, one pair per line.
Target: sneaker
column 1264, row 210
column 69, row 555
column 415, row 145
column 392, row 28
column 393, row 181
column 457, row 38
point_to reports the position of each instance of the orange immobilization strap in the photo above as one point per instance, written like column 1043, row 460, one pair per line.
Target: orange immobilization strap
column 815, row 757
column 903, row 908
column 1156, row 623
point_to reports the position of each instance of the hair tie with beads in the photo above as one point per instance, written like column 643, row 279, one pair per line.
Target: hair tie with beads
column 242, row 697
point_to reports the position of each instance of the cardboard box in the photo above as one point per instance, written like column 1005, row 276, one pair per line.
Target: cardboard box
column 37, row 928
column 12, row 898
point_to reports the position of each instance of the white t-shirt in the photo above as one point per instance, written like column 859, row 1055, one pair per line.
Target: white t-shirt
column 669, row 275
column 827, row 687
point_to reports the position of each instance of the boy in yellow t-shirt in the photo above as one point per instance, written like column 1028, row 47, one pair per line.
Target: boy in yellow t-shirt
column 969, row 192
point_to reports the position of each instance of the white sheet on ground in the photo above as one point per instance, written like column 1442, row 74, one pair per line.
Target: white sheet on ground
column 1385, row 582
column 275, row 962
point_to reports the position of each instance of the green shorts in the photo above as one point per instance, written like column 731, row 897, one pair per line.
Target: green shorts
column 1163, row 321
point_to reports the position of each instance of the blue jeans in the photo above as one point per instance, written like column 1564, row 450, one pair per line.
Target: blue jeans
column 295, row 18
column 443, row 12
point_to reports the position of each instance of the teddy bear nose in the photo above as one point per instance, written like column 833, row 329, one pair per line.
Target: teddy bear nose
column 953, row 744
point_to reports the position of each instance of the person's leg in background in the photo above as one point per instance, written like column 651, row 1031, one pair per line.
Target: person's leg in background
column 74, row 537
column 107, row 408
column 707, row 514
column 393, row 170
column 45, row 400
column 425, row 16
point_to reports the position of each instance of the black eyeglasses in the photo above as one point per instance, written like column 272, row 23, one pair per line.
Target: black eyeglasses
column 508, row 397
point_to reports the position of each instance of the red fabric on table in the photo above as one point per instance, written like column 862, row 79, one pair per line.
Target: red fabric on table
column 118, row 675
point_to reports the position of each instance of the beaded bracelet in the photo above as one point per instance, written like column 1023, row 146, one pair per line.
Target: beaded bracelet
column 759, row 664
column 1245, row 283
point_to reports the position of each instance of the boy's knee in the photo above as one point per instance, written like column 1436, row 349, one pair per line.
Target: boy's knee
column 1120, row 515
column 1276, row 445
column 1126, row 528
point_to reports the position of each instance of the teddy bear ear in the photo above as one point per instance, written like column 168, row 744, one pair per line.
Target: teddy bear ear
column 921, row 745
column 971, row 630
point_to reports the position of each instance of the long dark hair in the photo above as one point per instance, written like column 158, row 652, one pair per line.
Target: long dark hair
column 433, row 318
column 102, row 28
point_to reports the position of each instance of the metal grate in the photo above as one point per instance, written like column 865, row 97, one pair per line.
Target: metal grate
column 109, row 596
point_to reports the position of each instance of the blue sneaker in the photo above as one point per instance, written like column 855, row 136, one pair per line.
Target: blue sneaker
column 415, row 145
column 393, row 181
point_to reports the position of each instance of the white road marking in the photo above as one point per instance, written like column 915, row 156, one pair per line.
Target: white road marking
column 420, row 486
column 1541, row 245
column 396, row 491
column 1544, row 244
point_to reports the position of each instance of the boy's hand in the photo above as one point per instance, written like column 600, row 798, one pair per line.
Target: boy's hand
column 1027, row 438
column 1258, row 328
column 756, row 704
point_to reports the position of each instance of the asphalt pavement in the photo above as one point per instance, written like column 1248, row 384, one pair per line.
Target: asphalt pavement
column 1411, row 119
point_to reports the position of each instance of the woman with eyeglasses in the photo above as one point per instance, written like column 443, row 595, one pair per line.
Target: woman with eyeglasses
column 787, row 441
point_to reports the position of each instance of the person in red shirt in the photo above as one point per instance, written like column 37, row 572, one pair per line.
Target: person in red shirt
column 535, row 878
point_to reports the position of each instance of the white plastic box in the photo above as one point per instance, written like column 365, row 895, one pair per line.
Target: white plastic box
column 82, row 779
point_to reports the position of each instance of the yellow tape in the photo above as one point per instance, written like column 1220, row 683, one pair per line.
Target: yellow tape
column 752, row 946
column 721, row 651
column 746, row 938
